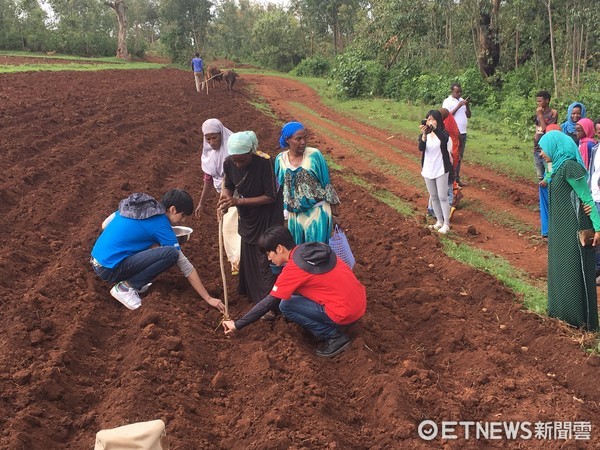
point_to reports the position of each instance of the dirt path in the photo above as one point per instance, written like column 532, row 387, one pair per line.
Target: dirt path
column 373, row 152
column 439, row 341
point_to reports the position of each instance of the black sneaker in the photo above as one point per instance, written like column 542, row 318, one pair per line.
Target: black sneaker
column 334, row 346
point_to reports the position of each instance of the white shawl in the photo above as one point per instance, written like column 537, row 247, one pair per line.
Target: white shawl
column 212, row 160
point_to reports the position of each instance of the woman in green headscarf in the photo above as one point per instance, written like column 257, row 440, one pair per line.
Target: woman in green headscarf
column 571, row 263
column 250, row 185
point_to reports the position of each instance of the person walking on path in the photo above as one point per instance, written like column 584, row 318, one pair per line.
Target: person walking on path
column 461, row 110
column 571, row 238
column 138, row 243
column 315, row 289
column 251, row 187
column 198, row 70
column 308, row 196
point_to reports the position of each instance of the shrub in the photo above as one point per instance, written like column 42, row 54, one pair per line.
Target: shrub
column 349, row 75
column 314, row 66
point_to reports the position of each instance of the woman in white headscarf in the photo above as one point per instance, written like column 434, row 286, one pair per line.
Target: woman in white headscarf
column 214, row 152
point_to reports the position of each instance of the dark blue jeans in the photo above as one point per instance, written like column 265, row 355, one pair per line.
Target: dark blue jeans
column 310, row 315
column 141, row 268
column 461, row 151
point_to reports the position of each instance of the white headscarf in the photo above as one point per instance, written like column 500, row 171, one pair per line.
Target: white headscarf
column 212, row 160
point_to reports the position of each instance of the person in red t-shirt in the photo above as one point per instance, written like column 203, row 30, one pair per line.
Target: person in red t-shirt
column 317, row 290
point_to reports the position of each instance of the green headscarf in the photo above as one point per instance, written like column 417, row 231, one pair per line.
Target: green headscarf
column 242, row 143
column 560, row 148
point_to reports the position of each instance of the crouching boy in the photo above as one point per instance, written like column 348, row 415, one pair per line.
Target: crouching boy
column 138, row 243
column 315, row 289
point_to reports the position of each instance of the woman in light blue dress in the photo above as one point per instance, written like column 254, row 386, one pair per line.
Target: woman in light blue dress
column 309, row 199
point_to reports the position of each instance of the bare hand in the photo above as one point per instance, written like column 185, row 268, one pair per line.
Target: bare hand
column 543, row 183
column 587, row 209
column 198, row 211
column 596, row 239
column 229, row 326
column 336, row 221
column 216, row 303
column 226, row 202
column 539, row 110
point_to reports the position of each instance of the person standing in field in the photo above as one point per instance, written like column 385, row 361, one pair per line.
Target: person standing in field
column 436, row 167
column 575, row 112
column 572, row 235
column 585, row 135
column 214, row 152
column 198, row 70
column 461, row 110
column 308, row 197
column 250, row 185
column 544, row 116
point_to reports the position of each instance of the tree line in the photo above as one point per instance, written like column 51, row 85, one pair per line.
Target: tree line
column 527, row 43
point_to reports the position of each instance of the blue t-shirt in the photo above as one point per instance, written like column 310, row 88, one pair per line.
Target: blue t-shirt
column 197, row 64
column 124, row 237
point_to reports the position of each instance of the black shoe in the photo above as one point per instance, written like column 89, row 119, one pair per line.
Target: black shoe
column 334, row 346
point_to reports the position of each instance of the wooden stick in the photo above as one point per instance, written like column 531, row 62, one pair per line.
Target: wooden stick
column 222, row 263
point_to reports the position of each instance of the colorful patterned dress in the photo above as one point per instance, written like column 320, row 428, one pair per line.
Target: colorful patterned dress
column 571, row 267
column 307, row 196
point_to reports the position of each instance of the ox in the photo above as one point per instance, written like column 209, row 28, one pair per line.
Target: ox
column 230, row 77
column 212, row 76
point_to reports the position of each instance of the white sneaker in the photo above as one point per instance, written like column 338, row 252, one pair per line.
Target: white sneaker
column 444, row 229
column 437, row 226
column 126, row 295
column 144, row 288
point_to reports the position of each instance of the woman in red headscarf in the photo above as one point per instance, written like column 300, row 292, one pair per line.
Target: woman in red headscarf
column 585, row 133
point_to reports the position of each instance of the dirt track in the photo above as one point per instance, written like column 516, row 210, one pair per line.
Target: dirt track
column 439, row 340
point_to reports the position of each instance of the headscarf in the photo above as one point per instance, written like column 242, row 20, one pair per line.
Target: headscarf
column 288, row 131
column 560, row 148
column 242, row 143
column 569, row 125
column 584, row 148
column 212, row 160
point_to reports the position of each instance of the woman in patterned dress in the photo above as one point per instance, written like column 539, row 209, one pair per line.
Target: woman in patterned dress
column 571, row 265
column 308, row 196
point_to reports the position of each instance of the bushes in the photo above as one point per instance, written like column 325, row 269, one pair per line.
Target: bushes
column 349, row 75
column 314, row 66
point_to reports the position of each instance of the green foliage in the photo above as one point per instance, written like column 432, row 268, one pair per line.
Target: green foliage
column 376, row 78
column 349, row 75
column 277, row 40
column 313, row 66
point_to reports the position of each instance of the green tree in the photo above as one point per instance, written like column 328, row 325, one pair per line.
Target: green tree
column 277, row 40
column 184, row 25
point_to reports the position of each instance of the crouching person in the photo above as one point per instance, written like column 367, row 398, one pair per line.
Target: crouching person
column 138, row 243
column 315, row 289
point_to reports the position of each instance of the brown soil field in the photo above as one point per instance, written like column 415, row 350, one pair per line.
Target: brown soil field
column 439, row 341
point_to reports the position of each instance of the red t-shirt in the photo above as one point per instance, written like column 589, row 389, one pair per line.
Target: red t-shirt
column 342, row 295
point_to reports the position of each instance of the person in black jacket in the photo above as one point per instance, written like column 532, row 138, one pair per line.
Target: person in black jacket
column 436, row 167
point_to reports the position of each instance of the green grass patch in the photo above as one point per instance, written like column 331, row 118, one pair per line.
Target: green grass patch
column 487, row 145
column 534, row 295
column 501, row 218
column 78, row 64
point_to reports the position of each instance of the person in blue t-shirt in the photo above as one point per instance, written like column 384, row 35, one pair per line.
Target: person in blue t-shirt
column 138, row 243
column 198, row 69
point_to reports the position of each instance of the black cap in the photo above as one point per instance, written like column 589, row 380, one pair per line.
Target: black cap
column 315, row 257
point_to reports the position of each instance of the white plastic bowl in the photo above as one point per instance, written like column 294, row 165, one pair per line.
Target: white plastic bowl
column 182, row 233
